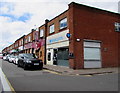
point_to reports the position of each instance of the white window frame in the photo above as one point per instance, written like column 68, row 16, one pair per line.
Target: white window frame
column 41, row 32
column 29, row 39
column 52, row 28
column 63, row 22
column 117, row 26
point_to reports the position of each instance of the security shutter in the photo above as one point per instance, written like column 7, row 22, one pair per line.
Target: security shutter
column 92, row 54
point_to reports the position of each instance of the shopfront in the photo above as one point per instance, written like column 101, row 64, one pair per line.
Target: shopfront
column 57, row 49
column 21, row 49
column 34, row 47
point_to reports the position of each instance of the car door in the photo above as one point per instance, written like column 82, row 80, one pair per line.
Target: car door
column 21, row 60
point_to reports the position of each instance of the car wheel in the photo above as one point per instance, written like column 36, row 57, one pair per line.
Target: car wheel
column 41, row 67
column 18, row 64
column 25, row 67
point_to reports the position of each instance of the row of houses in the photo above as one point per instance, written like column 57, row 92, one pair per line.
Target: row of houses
column 80, row 37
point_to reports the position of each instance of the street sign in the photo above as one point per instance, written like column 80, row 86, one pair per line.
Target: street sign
column 68, row 35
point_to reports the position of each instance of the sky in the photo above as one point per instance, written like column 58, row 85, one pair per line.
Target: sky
column 18, row 17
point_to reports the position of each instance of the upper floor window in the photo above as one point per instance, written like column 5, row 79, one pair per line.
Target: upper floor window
column 117, row 26
column 19, row 42
column 63, row 23
column 52, row 28
column 41, row 33
column 29, row 38
column 22, row 42
column 26, row 40
column 36, row 35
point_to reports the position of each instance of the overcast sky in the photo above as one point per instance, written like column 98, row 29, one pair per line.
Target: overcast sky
column 18, row 17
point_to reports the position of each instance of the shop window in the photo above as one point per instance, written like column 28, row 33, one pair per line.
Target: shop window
column 52, row 29
column 63, row 23
column 41, row 33
column 49, row 56
column 117, row 27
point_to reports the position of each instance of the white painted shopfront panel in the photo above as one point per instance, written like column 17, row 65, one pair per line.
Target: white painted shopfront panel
column 56, row 41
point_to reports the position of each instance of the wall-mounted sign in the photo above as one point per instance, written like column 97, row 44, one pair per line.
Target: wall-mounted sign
column 68, row 35
column 36, row 45
column 27, row 46
column 59, row 37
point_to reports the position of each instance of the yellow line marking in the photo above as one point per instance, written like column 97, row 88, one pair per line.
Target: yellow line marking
column 9, row 83
column 66, row 74
column 52, row 72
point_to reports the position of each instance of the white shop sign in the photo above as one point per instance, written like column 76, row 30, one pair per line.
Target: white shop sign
column 59, row 37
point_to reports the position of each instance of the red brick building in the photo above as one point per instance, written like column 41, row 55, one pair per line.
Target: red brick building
column 96, row 30
column 93, row 41
column 80, row 37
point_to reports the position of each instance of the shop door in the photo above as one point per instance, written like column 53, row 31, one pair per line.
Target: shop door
column 50, row 56
column 62, row 57
column 92, row 55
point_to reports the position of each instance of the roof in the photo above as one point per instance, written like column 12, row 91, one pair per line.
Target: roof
column 74, row 3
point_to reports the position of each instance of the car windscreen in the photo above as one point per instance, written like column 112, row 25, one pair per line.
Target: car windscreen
column 29, row 56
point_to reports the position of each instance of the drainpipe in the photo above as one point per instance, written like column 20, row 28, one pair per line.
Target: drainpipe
column 45, row 38
column 23, row 43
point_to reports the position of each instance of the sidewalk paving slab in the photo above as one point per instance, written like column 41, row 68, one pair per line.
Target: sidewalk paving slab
column 67, row 71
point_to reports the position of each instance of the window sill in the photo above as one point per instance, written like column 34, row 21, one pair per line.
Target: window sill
column 63, row 29
column 51, row 33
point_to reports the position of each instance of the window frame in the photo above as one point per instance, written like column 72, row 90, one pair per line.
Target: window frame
column 50, row 32
column 41, row 30
column 117, row 26
column 63, row 21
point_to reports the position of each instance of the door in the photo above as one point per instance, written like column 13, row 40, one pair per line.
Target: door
column 62, row 57
column 50, row 56
column 92, row 55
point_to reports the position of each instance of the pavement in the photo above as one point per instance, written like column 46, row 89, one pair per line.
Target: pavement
column 4, row 84
column 68, row 71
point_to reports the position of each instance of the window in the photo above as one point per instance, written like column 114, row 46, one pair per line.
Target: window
column 41, row 32
column 22, row 42
column 52, row 29
column 29, row 38
column 25, row 40
column 63, row 23
column 117, row 26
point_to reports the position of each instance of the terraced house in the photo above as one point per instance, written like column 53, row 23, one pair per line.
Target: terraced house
column 80, row 37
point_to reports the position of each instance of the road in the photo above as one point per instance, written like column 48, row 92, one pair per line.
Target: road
column 42, row 80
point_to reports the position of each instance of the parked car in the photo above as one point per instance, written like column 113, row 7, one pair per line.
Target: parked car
column 29, row 60
column 15, row 60
column 7, row 57
column 10, row 58
column 4, row 57
column 1, row 56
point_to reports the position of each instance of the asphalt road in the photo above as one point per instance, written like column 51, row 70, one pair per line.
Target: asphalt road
column 42, row 80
